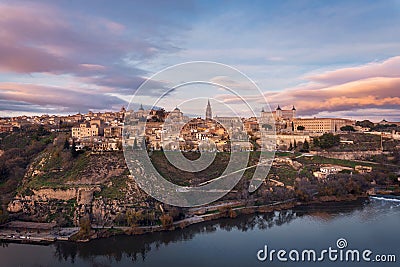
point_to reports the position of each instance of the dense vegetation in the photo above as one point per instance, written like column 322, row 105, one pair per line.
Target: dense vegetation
column 347, row 128
column 365, row 124
column 378, row 127
column 20, row 148
column 360, row 142
column 338, row 185
column 326, row 140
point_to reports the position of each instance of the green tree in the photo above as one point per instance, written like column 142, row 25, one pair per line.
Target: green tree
column 306, row 146
column 133, row 217
column 253, row 141
column 365, row 123
column 326, row 141
column 149, row 217
column 290, row 146
column 347, row 128
column 74, row 153
column 66, row 144
column 41, row 131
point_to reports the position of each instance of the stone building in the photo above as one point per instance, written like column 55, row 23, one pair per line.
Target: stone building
column 321, row 125
column 85, row 130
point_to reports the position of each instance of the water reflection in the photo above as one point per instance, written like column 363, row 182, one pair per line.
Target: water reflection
column 137, row 247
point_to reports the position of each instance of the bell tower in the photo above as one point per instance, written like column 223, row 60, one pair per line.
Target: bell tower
column 294, row 112
column 208, row 111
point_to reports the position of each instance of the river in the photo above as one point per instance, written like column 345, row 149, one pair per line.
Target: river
column 366, row 224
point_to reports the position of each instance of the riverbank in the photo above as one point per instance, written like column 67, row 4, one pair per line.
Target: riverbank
column 230, row 242
column 197, row 216
column 34, row 233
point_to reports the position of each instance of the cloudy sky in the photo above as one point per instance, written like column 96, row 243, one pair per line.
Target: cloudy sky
column 338, row 59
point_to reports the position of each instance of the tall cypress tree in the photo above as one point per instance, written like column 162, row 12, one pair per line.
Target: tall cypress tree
column 74, row 153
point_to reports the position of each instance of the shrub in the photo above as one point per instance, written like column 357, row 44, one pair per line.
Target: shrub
column 166, row 221
column 327, row 140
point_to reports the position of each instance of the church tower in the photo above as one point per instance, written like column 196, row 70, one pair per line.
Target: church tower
column 278, row 113
column 208, row 111
column 293, row 112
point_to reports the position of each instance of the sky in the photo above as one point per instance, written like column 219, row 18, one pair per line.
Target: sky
column 328, row 58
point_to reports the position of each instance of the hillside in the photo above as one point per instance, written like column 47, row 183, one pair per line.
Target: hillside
column 53, row 183
column 62, row 186
column 17, row 150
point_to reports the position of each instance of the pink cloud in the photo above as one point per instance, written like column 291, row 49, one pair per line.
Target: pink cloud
column 40, row 38
column 375, row 85
column 58, row 98
column 367, row 93
column 387, row 68
column 15, row 58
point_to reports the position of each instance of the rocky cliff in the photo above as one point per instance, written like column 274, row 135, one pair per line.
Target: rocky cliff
column 97, row 184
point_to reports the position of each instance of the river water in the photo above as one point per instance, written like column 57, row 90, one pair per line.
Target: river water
column 366, row 224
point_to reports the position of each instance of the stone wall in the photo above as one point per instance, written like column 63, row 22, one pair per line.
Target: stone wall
column 83, row 196
column 355, row 155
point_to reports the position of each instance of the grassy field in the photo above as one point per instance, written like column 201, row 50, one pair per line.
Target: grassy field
column 115, row 190
column 284, row 173
column 183, row 178
column 54, row 172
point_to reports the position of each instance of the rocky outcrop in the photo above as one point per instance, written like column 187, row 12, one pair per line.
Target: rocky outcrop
column 82, row 196
column 58, row 194
column 294, row 164
column 15, row 206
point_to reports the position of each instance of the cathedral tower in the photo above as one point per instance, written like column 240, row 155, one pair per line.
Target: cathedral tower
column 208, row 111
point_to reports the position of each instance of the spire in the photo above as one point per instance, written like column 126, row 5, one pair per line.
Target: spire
column 293, row 108
column 141, row 107
column 278, row 108
column 208, row 111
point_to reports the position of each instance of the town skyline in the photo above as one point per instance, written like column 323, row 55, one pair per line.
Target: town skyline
column 147, row 107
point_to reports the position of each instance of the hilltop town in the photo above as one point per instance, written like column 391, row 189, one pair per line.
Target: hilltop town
column 102, row 131
column 69, row 171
